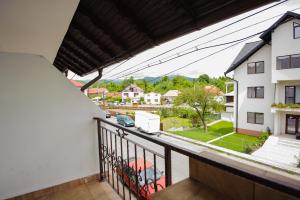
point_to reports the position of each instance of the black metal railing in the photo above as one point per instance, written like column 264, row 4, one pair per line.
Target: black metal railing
column 124, row 163
column 129, row 167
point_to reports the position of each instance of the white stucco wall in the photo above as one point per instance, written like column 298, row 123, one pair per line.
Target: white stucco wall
column 47, row 132
column 251, row 80
column 151, row 97
column 35, row 26
column 283, row 43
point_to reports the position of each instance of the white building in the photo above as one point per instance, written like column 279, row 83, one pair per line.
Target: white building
column 267, row 72
column 152, row 98
column 171, row 95
column 132, row 92
column 228, row 114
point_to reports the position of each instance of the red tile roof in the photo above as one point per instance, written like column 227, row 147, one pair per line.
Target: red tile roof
column 76, row 83
column 97, row 90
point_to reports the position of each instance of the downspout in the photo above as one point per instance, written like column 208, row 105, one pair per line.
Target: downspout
column 87, row 85
column 237, row 102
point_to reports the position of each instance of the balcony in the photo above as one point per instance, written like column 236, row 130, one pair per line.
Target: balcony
column 211, row 175
column 280, row 107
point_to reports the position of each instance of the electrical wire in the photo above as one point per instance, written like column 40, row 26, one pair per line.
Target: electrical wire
column 186, row 53
column 207, row 34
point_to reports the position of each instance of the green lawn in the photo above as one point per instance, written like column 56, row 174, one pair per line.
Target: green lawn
column 236, row 142
column 214, row 131
column 175, row 122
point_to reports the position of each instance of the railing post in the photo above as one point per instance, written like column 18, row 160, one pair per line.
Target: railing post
column 168, row 166
column 101, row 177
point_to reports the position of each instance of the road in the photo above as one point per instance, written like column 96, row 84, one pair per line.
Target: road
column 180, row 165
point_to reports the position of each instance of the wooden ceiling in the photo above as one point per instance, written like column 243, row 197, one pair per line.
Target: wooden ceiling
column 104, row 32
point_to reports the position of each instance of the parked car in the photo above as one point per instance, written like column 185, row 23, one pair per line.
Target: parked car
column 107, row 114
column 128, row 177
column 125, row 120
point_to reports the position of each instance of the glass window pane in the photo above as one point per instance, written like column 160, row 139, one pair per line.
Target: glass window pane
column 297, row 32
column 259, row 118
column 251, row 117
column 289, row 100
column 259, row 92
column 297, row 99
column 283, row 62
column 291, row 124
column 251, row 92
column 251, row 68
column 295, row 61
column 289, row 91
column 260, row 67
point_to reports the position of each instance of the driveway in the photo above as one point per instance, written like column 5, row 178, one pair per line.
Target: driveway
column 280, row 150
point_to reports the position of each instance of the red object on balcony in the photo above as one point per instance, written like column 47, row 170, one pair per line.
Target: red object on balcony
column 128, row 175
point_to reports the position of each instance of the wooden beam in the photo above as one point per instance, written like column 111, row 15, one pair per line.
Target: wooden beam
column 126, row 12
column 98, row 22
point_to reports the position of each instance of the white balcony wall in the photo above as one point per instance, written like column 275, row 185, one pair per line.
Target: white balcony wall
column 283, row 43
column 47, row 132
column 280, row 90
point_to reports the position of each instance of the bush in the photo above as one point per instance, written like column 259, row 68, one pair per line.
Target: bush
column 249, row 148
column 262, row 138
column 164, row 112
column 182, row 112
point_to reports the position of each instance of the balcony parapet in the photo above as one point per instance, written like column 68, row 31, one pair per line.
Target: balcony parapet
column 280, row 107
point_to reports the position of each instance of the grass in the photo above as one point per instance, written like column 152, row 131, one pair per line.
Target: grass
column 214, row 131
column 236, row 142
column 177, row 122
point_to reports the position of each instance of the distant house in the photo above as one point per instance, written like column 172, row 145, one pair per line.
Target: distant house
column 114, row 94
column 152, row 98
column 101, row 92
column 132, row 92
column 171, row 95
column 215, row 91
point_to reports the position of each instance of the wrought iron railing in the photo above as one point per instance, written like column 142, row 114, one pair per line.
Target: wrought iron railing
column 133, row 170
column 129, row 167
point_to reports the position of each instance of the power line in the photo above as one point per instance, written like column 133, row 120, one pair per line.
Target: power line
column 214, row 31
column 186, row 53
column 191, row 50
column 195, row 61
column 117, row 66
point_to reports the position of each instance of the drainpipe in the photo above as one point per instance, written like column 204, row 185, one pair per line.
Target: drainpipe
column 237, row 102
column 87, row 85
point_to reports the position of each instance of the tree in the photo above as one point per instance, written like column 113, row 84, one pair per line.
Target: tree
column 201, row 100
column 204, row 78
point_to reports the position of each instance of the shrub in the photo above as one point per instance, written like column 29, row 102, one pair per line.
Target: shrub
column 164, row 112
column 263, row 137
column 249, row 148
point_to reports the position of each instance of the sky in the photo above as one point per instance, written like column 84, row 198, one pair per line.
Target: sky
column 214, row 65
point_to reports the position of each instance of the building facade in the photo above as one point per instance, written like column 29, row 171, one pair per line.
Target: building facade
column 267, row 75
column 132, row 94
column 152, row 98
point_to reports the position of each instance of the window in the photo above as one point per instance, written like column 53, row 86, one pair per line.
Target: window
column 155, row 100
column 256, row 67
column 296, row 30
column 292, row 94
column 135, row 94
column 288, row 62
column 126, row 94
column 255, row 92
column 255, row 118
